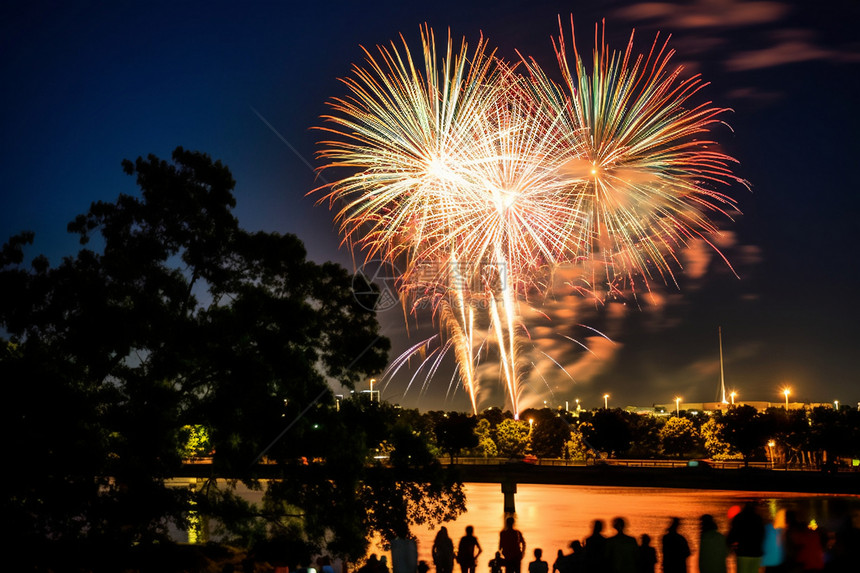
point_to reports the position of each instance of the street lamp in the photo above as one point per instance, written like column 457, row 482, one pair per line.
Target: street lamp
column 787, row 391
column 531, row 423
column 836, row 402
column 677, row 405
column 770, row 445
column 606, row 401
column 372, row 380
column 732, row 394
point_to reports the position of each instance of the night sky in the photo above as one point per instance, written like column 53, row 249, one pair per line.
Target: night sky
column 86, row 86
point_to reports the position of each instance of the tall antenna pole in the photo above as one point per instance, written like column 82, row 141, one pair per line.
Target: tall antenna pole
column 722, row 375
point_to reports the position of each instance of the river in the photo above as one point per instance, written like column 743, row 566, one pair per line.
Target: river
column 551, row 516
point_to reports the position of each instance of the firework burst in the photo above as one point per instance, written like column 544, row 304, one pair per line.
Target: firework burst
column 647, row 171
column 480, row 180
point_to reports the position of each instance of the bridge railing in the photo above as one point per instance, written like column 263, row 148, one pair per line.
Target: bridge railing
column 632, row 463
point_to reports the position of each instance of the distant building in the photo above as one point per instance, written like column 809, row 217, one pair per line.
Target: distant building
column 374, row 395
column 710, row 407
column 643, row 410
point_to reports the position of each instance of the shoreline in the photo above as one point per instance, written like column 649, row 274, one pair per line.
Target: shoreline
column 742, row 479
column 703, row 477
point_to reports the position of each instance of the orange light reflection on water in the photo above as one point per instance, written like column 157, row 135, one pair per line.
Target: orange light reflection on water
column 551, row 516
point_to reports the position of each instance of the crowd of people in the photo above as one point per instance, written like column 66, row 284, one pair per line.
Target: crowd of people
column 785, row 544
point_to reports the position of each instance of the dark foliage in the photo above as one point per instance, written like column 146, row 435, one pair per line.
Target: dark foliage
column 177, row 317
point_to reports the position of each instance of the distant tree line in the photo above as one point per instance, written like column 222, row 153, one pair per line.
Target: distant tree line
column 795, row 437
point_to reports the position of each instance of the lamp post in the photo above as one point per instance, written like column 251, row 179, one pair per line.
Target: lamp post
column 836, row 403
column 770, row 445
column 372, row 380
column 677, row 405
column 531, row 424
column 606, row 401
column 787, row 391
column 732, row 395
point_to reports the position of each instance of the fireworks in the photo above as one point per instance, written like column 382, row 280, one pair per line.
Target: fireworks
column 479, row 180
column 647, row 165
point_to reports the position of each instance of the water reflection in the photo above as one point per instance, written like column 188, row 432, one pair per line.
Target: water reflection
column 551, row 516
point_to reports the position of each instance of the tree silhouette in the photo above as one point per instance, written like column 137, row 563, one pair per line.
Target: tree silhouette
column 609, row 431
column 455, row 432
column 171, row 316
column 745, row 431
column 549, row 435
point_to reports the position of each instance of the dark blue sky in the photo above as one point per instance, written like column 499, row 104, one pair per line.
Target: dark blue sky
column 85, row 86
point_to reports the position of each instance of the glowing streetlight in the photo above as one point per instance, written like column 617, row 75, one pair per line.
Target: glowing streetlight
column 836, row 403
column 677, row 405
column 787, row 391
column 606, row 401
column 372, row 380
column 531, row 423
column 732, row 395
column 770, row 445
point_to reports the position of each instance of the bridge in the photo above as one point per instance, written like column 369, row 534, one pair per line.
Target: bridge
column 758, row 477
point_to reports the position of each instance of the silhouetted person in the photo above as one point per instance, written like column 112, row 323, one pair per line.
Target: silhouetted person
column 513, row 547
column 621, row 549
column 443, row 552
column 803, row 551
column 773, row 546
column 559, row 566
column 468, row 550
column 595, row 549
column 538, row 565
column 570, row 562
column 497, row 564
column 713, row 549
column 404, row 553
column 675, row 549
column 647, row 560
column 746, row 537
column 382, row 566
column 423, row 567
column 371, row 565
column 846, row 549
column 576, row 557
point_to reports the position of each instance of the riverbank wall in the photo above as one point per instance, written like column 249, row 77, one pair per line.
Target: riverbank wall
column 741, row 479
